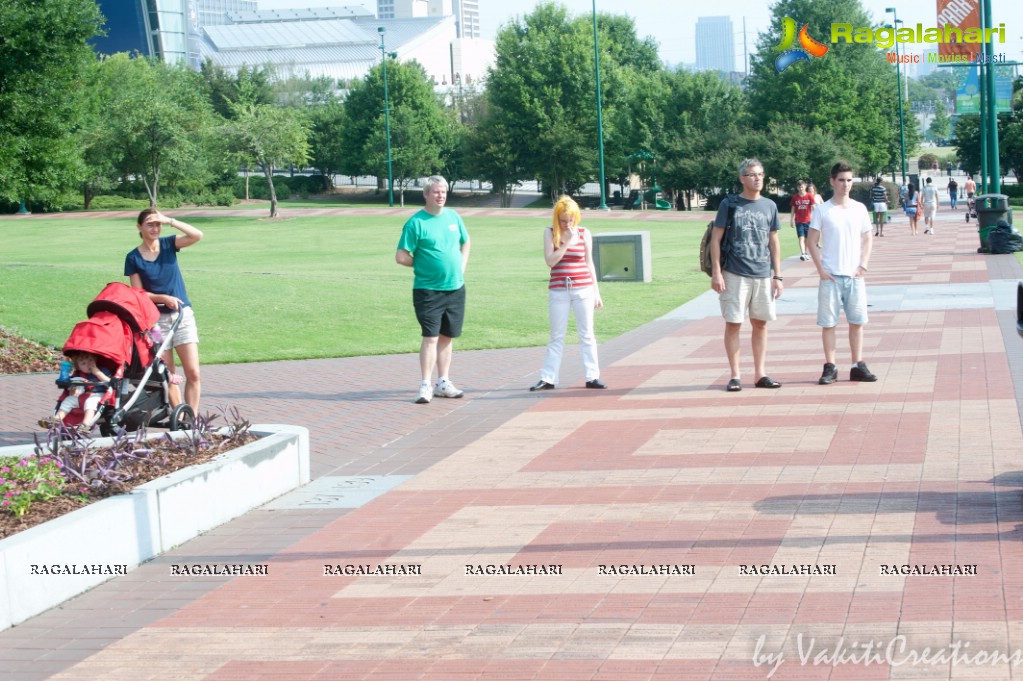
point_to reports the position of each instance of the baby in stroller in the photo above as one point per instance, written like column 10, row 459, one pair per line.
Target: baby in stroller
column 88, row 385
column 119, row 380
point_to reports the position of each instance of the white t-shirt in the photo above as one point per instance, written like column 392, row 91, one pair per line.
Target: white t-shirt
column 929, row 193
column 841, row 230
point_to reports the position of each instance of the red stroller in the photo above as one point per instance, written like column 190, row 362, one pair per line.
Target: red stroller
column 120, row 332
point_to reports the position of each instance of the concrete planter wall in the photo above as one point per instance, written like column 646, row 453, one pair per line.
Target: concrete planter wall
column 47, row 564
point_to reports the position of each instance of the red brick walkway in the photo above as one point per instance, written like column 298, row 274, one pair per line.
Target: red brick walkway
column 692, row 533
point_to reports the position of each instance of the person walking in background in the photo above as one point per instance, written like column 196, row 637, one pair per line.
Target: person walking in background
column 843, row 227
column 879, row 197
column 970, row 187
column 953, row 193
column 802, row 209
column 568, row 251
column 153, row 267
column 911, row 206
column 435, row 244
column 744, row 251
column 929, row 198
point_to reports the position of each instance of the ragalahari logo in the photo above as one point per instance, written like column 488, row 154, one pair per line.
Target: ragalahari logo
column 807, row 46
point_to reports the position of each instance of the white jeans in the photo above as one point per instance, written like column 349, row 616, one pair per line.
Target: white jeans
column 580, row 301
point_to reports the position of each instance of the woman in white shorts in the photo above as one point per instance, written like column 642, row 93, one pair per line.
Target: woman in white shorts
column 153, row 267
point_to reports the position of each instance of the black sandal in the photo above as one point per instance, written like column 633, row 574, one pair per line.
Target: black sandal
column 734, row 385
column 768, row 382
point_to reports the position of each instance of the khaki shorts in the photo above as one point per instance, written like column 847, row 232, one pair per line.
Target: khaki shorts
column 929, row 209
column 187, row 331
column 746, row 297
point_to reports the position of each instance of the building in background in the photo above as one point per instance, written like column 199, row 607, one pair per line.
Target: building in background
column 715, row 44
column 341, row 43
column 216, row 12
column 466, row 13
column 154, row 28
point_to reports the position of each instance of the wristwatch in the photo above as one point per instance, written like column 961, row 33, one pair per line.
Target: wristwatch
column 778, row 278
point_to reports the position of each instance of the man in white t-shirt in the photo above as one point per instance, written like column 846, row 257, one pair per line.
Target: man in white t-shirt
column 845, row 238
column 929, row 203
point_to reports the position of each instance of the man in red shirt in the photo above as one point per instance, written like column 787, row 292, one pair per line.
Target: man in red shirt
column 802, row 212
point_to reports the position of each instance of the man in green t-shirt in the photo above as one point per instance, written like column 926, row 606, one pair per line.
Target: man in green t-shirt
column 435, row 244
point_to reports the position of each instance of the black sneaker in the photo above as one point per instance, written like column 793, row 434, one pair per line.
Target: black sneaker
column 860, row 372
column 830, row 374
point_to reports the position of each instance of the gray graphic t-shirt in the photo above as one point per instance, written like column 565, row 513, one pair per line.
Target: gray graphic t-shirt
column 745, row 249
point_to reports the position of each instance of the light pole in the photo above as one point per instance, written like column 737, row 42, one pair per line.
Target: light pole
column 988, row 85
column 387, row 121
column 600, row 116
column 898, row 77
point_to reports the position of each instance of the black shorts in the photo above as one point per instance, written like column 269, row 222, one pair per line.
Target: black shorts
column 440, row 313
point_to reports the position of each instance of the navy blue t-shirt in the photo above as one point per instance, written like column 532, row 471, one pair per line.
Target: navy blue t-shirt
column 161, row 275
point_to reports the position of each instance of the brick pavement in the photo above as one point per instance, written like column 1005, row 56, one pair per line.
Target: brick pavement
column 664, row 469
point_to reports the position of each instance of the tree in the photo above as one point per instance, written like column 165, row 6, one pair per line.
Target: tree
column 704, row 137
column 940, row 126
column 850, row 93
column 420, row 129
column 271, row 137
column 326, row 121
column 966, row 140
column 541, row 91
column 247, row 86
column 155, row 122
column 44, row 53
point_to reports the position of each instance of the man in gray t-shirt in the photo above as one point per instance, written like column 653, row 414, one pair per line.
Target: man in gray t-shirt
column 744, row 251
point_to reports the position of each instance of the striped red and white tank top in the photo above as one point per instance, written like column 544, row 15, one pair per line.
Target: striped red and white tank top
column 572, row 266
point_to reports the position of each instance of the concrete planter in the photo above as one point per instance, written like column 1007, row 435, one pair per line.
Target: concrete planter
column 47, row 564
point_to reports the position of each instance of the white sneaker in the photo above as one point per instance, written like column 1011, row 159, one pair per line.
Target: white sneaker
column 425, row 394
column 447, row 389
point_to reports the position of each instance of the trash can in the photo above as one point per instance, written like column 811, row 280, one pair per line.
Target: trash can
column 990, row 209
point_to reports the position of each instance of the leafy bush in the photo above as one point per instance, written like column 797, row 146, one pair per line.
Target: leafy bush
column 928, row 162
column 258, row 188
column 115, row 202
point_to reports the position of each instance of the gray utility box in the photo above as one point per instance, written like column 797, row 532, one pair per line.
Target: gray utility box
column 622, row 256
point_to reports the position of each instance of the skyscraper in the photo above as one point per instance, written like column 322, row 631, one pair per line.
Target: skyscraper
column 715, row 44
column 466, row 12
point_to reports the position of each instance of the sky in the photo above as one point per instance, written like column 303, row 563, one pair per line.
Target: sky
column 673, row 23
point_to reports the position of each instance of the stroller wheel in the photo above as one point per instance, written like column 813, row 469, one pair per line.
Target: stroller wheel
column 182, row 418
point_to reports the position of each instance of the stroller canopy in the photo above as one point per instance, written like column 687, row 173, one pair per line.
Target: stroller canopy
column 130, row 304
column 104, row 334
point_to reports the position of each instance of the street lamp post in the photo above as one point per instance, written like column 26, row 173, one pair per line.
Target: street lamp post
column 387, row 120
column 988, row 85
column 600, row 116
column 898, row 77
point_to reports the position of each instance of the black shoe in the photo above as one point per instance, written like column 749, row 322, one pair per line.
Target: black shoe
column 830, row 374
column 860, row 372
column 541, row 385
column 596, row 384
column 767, row 382
column 734, row 385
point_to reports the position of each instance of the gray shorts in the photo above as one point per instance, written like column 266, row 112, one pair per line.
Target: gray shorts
column 844, row 293
column 746, row 297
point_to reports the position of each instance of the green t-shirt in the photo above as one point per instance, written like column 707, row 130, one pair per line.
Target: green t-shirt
column 435, row 242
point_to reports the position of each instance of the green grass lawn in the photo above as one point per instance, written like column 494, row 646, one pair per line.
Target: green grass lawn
column 329, row 287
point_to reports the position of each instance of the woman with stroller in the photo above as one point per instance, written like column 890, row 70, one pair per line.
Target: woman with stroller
column 153, row 267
